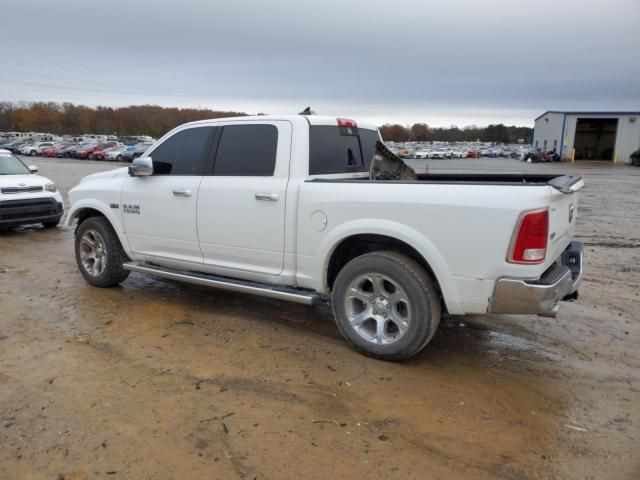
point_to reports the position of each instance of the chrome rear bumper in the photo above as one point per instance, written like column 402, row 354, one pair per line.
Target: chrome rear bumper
column 542, row 295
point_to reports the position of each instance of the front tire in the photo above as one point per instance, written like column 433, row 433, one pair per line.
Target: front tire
column 99, row 254
column 386, row 305
column 33, row 153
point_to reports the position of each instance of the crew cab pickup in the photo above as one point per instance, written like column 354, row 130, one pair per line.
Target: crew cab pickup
column 291, row 207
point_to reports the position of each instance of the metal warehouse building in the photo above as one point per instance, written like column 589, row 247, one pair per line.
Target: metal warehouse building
column 608, row 136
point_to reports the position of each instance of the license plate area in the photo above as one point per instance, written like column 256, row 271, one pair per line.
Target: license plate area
column 572, row 258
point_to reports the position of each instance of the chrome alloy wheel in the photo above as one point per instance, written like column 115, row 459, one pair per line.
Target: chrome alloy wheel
column 93, row 253
column 378, row 308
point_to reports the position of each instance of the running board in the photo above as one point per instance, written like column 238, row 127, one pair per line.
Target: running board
column 305, row 297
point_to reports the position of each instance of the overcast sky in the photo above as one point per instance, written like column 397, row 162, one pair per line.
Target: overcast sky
column 441, row 62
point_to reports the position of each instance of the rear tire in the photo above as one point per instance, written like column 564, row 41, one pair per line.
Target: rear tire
column 386, row 305
column 33, row 153
column 99, row 254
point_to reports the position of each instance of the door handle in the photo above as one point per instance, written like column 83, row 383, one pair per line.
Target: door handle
column 269, row 197
column 182, row 193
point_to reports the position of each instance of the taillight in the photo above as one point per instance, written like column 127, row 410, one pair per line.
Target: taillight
column 532, row 234
column 345, row 122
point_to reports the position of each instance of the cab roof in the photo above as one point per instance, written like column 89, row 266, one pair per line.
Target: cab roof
column 312, row 119
column 326, row 120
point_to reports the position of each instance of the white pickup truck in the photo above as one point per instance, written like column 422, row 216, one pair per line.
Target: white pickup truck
column 288, row 207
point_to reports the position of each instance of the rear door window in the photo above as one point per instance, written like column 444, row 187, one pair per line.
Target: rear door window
column 337, row 150
column 246, row 150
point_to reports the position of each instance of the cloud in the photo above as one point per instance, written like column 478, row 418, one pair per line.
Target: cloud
column 458, row 61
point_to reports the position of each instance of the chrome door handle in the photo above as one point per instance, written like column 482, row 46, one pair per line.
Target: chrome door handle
column 182, row 193
column 269, row 197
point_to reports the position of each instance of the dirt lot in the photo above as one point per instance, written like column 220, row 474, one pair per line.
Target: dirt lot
column 158, row 380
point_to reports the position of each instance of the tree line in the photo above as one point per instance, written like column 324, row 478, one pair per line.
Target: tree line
column 153, row 120
column 422, row 132
column 67, row 118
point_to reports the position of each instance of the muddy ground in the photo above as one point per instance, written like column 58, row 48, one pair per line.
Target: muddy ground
column 159, row 380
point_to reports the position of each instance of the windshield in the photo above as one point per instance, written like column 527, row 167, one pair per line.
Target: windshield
column 10, row 165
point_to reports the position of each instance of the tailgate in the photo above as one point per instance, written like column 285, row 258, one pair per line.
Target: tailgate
column 563, row 208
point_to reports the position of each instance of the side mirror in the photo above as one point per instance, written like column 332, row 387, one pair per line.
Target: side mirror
column 141, row 167
column 33, row 168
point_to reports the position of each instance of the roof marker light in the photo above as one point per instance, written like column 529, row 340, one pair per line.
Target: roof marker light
column 346, row 122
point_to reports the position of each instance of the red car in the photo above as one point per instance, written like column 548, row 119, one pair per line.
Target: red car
column 100, row 154
column 473, row 153
column 51, row 151
column 89, row 151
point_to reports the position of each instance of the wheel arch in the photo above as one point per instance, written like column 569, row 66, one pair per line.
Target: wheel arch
column 87, row 209
column 395, row 237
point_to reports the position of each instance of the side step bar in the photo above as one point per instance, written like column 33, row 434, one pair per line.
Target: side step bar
column 306, row 297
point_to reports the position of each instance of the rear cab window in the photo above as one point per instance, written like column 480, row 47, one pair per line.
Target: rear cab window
column 339, row 150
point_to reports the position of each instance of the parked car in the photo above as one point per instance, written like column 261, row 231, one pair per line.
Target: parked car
column 53, row 150
column 542, row 157
column 472, row 153
column 458, row 154
column 634, row 159
column 25, row 197
column 86, row 152
column 421, row 154
column 100, row 148
column 115, row 154
column 138, row 150
column 101, row 153
column 25, row 146
column 49, row 151
column 438, row 154
column 286, row 207
column 16, row 146
column 70, row 151
column 35, row 148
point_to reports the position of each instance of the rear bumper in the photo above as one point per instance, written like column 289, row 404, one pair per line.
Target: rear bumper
column 542, row 295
